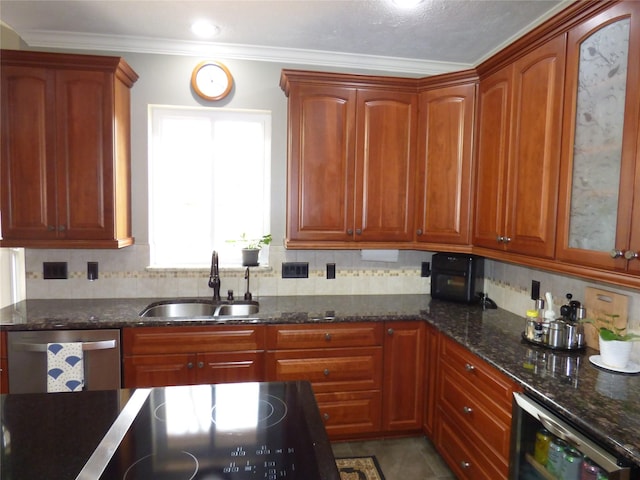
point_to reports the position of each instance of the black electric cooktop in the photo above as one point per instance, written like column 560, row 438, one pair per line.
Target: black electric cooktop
column 266, row 431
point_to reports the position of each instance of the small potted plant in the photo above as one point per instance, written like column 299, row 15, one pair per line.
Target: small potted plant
column 251, row 248
column 615, row 342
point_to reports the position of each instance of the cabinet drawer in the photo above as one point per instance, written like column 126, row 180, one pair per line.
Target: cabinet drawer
column 329, row 370
column 462, row 455
column 347, row 413
column 326, row 335
column 161, row 340
column 483, row 377
column 487, row 425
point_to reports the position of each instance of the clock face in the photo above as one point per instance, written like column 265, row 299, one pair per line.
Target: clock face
column 211, row 80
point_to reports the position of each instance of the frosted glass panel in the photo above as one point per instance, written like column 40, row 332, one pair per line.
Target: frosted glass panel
column 598, row 137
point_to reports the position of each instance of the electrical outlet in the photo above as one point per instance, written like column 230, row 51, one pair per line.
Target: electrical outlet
column 92, row 271
column 535, row 290
column 425, row 270
column 331, row 271
column 295, row 270
column 54, row 270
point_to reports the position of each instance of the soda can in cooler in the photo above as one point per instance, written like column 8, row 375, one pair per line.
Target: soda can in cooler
column 571, row 464
column 590, row 470
column 554, row 458
column 541, row 450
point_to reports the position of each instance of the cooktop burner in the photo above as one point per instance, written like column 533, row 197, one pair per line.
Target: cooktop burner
column 214, row 432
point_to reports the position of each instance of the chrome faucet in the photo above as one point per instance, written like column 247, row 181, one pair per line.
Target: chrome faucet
column 247, row 294
column 214, row 277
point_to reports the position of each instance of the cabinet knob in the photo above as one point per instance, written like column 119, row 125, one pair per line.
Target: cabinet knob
column 419, row 231
column 325, row 416
column 190, row 365
column 200, row 364
column 327, row 337
column 62, row 228
column 326, row 372
column 615, row 253
column 464, row 465
column 500, row 239
column 358, row 231
column 51, row 228
column 349, row 231
column 507, row 239
column 469, row 368
column 630, row 255
column 467, row 410
column 390, row 331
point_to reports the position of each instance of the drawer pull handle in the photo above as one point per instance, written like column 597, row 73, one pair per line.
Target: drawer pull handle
column 190, row 365
column 467, row 410
column 325, row 416
column 464, row 465
column 200, row 364
column 469, row 368
column 326, row 372
column 327, row 337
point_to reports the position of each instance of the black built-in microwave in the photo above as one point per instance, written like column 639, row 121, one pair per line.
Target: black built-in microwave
column 458, row 277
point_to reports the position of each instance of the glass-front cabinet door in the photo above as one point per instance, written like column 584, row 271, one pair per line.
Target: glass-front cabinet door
column 599, row 207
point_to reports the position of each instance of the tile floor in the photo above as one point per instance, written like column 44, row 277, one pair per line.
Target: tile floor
column 400, row 459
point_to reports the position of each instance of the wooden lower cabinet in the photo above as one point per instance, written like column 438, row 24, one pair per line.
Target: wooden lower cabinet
column 430, row 379
column 403, row 396
column 160, row 356
column 343, row 362
column 473, row 414
column 4, row 364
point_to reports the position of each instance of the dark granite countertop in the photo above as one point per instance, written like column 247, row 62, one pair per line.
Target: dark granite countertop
column 602, row 404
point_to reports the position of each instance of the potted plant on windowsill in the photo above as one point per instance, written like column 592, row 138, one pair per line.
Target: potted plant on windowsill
column 615, row 342
column 251, row 248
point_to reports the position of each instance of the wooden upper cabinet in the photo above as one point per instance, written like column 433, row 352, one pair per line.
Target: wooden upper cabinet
column 321, row 164
column 445, row 149
column 385, row 164
column 518, row 159
column 599, row 210
column 65, row 150
column 351, row 159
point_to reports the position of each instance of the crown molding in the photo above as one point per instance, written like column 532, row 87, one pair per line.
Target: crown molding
column 134, row 44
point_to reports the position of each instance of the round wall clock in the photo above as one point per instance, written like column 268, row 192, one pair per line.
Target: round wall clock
column 211, row 80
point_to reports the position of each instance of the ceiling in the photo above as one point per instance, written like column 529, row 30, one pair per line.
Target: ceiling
column 436, row 36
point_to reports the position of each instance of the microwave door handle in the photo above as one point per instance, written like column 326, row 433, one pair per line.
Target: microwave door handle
column 86, row 346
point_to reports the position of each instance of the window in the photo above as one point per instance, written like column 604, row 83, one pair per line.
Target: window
column 209, row 182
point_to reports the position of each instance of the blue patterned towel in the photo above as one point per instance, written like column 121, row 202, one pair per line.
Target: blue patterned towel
column 65, row 368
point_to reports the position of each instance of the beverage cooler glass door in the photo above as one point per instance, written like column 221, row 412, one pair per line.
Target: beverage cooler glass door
column 560, row 452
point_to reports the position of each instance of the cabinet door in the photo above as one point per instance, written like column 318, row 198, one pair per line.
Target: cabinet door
column 385, row 165
column 443, row 189
column 159, row 370
column 534, row 159
column 403, row 387
column 84, row 154
column 230, row 367
column 432, row 341
column 321, row 163
column 28, row 198
column 494, row 121
column 599, row 213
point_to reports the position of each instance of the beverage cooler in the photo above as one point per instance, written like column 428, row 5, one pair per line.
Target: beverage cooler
column 545, row 447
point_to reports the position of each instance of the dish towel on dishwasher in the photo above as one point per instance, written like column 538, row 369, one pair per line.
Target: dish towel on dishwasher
column 65, row 367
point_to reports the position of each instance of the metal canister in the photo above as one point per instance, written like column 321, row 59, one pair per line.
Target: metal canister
column 590, row 470
column 571, row 464
column 557, row 334
column 541, row 449
column 555, row 456
column 571, row 335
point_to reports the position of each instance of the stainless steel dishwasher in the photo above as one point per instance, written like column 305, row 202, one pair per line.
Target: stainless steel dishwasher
column 28, row 359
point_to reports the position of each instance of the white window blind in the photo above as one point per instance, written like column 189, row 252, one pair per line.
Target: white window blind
column 209, row 182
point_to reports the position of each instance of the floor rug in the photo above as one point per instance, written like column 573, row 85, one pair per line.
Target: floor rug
column 359, row 468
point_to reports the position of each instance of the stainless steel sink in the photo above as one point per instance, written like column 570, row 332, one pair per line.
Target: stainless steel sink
column 237, row 309
column 195, row 309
